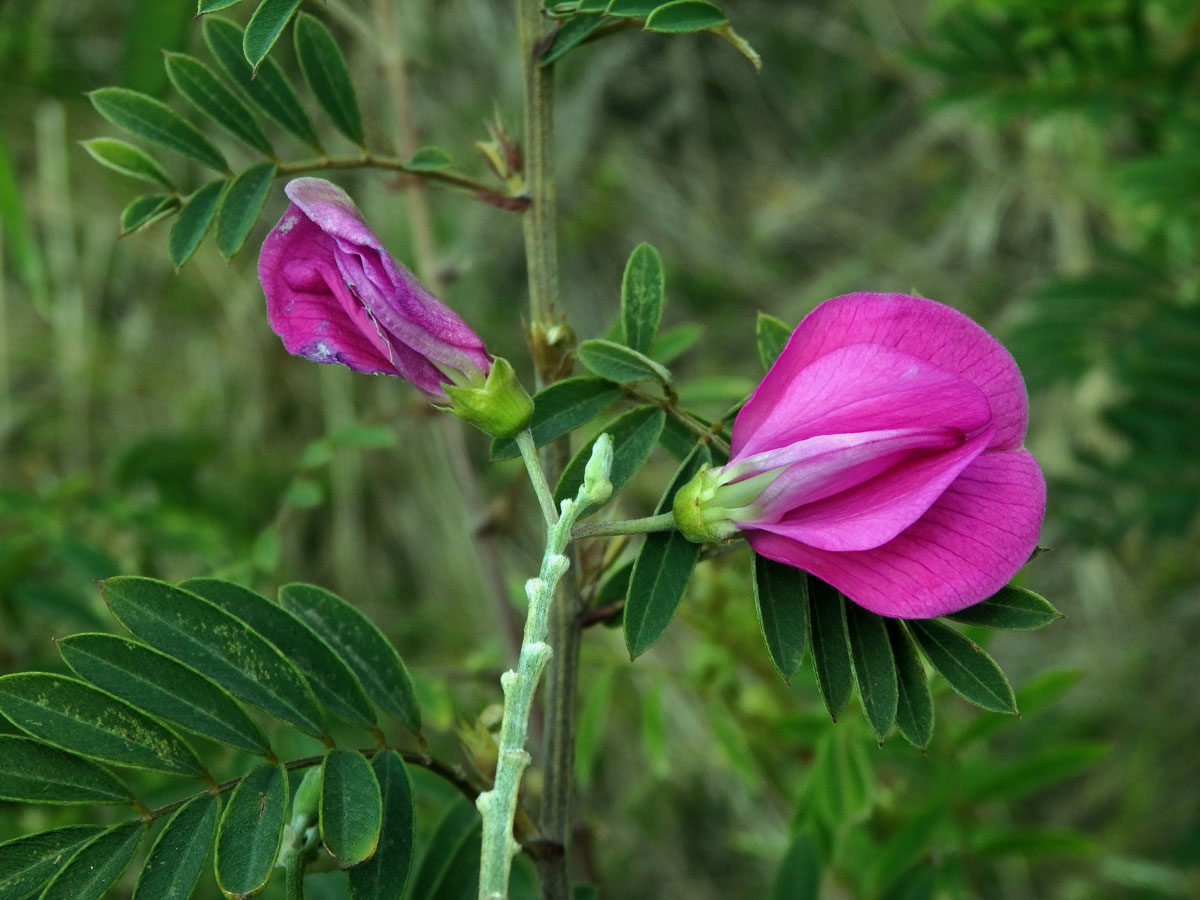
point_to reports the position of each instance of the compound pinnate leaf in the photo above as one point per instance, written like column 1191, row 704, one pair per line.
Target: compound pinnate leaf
column 661, row 570
column 830, row 646
column 1010, row 609
column 874, row 667
column 972, row 673
column 156, row 122
column 163, row 687
column 177, row 858
column 214, row 643
column 127, row 159
column 359, row 643
column 77, row 717
column 914, row 708
column 28, row 862
column 642, row 294
column 241, row 206
column 781, row 596
column 325, row 70
column 194, row 220
column 201, row 87
column 251, row 831
column 620, row 364
column 265, row 27
column 561, row 408
column 269, row 89
column 33, row 772
column 351, row 807
column 634, row 435
column 97, row 865
column 684, row 16
column 330, row 677
column 385, row 875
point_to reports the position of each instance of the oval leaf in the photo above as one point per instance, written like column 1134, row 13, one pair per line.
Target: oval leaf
column 620, row 364
column 914, row 709
column 193, row 222
column 80, row 718
column 634, row 435
column 360, row 644
column 781, row 597
column 265, row 27
column 335, row 686
column 143, row 212
column 385, row 875
column 642, row 290
column 351, row 807
column 97, row 865
column 163, row 687
column 561, row 408
column 830, row 646
column 874, row 667
column 28, row 862
column 1011, row 609
column 771, row 336
column 216, row 644
column 325, row 70
column 204, row 90
column 972, row 673
column 662, row 569
column 150, row 119
column 637, row 9
column 241, row 206
column 177, row 858
column 251, row 831
column 269, row 89
column 128, row 160
column 683, row 16
column 33, row 772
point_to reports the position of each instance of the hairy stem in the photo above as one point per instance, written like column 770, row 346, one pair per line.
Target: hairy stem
column 661, row 522
column 537, row 477
column 498, row 806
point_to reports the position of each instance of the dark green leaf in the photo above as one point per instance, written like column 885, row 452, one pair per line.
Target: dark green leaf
column 28, row 862
column 634, row 435
column 449, row 868
column 97, row 865
column 830, row 646
column 33, row 772
column 362, row 646
column 145, row 211
column 325, row 70
column 637, row 9
column 128, row 160
column 1011, row 609
column 620, row 364
column 265, row 27
column 799, row 875
column 674, row 342
column 570, row 34
column 1047, row 767
column 204, row 90
column 335, row 686
column 154, row 121
column 662, row 569
column 874, row 667
column 592, row 6
column 193, row 222
column 241, row 206
column 216, row 644
column 163, row 687
column 207, row 6
column 430, row 159
column 914, row 708
column 560, row 409
column 177, row 858
column 781, row 597
column 771, row 335
column 642, row 290
column 269, row 89
column 384, row 875
column 251, row 831
column 351, row 807
column 683, row 16
column 964, row 665
column 77, row 717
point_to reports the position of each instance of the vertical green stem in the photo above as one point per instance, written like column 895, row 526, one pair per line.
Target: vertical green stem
column 498, row 806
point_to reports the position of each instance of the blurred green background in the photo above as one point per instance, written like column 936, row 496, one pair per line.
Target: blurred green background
column 1035, row 163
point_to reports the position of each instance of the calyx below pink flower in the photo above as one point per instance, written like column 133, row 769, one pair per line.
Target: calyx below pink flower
column 881, row 453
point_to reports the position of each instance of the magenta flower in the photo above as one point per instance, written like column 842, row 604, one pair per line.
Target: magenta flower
column 882, row 454
column 335, row 295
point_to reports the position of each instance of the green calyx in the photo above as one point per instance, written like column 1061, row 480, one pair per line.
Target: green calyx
column 707, row 507
column 498, row 406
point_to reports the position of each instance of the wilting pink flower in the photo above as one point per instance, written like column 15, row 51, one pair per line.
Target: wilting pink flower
column 881, row 453
column 335, row 295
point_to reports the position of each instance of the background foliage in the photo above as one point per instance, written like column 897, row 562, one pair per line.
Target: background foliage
column 1033, row 164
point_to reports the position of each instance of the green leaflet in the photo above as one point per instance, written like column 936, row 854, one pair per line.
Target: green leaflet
column 914, row 707
column 634, row 435
column 265, row 27
column 972, row 673
column 97, row 865
column 449, row 868
column 874, row 667
column 177, row 858
column 685, row 16
column 33, row 772
column 150, row 119
column 242, row 203
column 571, row 34
column 351, row 813
column 1011, row 609
column 830, row 646
column 143, row 212
column 325, row 70
column 194, row 220
column 127, row 159
column 620, row 364
column 642, row 297
column 251, row 831
column 200, row 86
column 27, row 863
column 385, row 875
column 770, row 335
column 781, row 598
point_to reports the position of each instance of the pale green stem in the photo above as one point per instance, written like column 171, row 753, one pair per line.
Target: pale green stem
column 540, row 486
column 661, row 522
column 498, row 806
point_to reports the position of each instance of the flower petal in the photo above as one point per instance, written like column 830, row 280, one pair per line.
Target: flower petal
column 855, row 388
column 937, row 334
column 964, row 549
